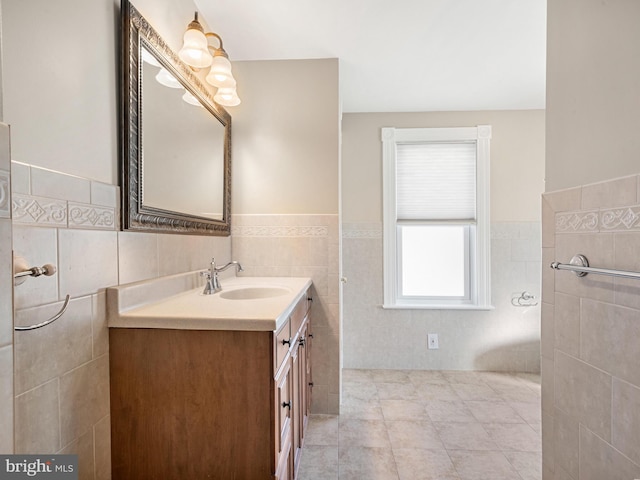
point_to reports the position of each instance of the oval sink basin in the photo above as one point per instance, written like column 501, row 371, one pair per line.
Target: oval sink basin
column 252, row 293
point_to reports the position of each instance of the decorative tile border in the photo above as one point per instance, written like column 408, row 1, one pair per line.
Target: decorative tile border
column 619, row 219
column 90, row 216
column 622, row 219
column 280, row 231
column 39, row 211
column 5, row 195
column 577, row 222
column 48, row 212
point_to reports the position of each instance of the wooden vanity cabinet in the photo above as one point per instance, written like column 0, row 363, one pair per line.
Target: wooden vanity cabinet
column 206, row 404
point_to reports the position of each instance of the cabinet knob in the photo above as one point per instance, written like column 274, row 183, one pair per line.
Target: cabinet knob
column 311, row 384
column 286, row 342
column 286, row 405
column 310, row 335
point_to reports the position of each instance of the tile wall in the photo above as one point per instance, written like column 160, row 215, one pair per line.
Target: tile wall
column 62, row 370
column 6, row 300
column 506, row 338
column 591, row 334
column 301, row 246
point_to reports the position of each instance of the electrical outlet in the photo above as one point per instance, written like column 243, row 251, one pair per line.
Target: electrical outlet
column 432, row 341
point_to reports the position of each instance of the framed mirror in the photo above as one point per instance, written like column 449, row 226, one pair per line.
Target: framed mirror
column 175, row 168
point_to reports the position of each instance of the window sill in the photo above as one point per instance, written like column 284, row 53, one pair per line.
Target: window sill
column 438, row 307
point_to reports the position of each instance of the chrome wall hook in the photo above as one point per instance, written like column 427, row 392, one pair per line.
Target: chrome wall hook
column 22, row 271
column 525, row 299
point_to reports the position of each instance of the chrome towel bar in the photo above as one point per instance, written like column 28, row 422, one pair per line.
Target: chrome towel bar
column 580, row 266
column 47, row 322
column 21, row 271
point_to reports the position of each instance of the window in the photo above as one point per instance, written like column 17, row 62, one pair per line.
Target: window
column 436, row 217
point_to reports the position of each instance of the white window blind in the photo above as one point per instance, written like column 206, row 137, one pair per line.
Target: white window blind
column 436, row 181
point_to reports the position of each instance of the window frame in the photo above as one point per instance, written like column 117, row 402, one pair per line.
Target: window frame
column 479, row 264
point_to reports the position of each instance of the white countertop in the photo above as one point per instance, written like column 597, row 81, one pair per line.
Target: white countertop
column 160, row 303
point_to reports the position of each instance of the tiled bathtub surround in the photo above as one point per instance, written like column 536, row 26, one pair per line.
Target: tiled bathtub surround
column 306, row 246
column 590, row 332
column 61, row 371
column 506, row 338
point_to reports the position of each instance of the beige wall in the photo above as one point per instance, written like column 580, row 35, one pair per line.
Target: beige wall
column 60, row 84
column 593, row 91
column 517, row 160
column 286, row 137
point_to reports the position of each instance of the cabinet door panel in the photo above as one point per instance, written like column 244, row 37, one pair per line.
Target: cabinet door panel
column 283, row 406
column 308, row 377
column 285, row 465
column 297, row 389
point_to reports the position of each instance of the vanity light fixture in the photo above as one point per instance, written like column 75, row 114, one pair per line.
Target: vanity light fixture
column 195, row 52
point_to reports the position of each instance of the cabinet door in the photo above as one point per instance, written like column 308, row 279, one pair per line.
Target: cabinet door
column 304, row 363
column 308, row 377
column 283, row 409
column 297, row 360
column 301, row 385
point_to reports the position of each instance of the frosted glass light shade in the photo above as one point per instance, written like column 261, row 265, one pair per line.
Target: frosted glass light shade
column 227, row 97
column 190, row 99
column 194, row 50
column 147, row 57
column 165, row 78
column 228, row 82
column 220, row 72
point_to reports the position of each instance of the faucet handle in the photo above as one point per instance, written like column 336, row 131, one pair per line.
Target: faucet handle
column 206, row 274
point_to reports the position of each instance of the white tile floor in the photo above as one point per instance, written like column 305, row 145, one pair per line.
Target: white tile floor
column 413, row 425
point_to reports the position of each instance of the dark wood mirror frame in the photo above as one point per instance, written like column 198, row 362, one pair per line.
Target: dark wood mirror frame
column 135, row 215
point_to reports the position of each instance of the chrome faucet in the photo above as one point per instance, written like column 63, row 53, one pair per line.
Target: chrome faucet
column 211, row 275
